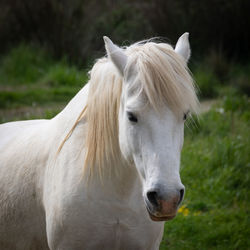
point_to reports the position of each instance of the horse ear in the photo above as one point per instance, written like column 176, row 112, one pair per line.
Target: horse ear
column 116, row 54
column 183, row 47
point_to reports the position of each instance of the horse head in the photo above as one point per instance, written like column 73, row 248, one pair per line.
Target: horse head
column 157, row 95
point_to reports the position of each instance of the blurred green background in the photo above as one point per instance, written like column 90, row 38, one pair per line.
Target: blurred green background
column 48, row 46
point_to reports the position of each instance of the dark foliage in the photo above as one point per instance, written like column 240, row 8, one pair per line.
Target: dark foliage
column 76, row 27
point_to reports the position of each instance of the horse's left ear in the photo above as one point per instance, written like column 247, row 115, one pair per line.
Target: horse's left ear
column 182, row 46
column 116, row 54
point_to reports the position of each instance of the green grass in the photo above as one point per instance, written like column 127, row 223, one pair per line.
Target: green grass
column 38, row 96
column 29, row 76
column 218, row 229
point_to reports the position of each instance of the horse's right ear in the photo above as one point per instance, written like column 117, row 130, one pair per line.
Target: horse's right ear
column 116, row 55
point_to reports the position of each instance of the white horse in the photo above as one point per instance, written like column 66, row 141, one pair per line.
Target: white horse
column 103, row 173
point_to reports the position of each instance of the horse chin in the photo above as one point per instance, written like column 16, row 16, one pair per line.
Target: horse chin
column 160, row 218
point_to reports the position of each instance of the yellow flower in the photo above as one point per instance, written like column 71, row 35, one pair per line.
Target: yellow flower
column 184, row 210
column 180, row 210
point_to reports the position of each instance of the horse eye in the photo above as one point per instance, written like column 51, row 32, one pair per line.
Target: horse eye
column 132, row 117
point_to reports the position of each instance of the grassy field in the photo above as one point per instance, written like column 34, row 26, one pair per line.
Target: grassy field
column 215, row 159
column 33, row 85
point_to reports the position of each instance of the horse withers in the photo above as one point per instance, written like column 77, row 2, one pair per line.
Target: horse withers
column 103, row 173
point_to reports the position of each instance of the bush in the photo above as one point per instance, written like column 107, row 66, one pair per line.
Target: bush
column 214, row 75
column 27, row 64
column 207, row 83
column 24, row 64
column 61, row 74
column 216, row 62
column 240, row 78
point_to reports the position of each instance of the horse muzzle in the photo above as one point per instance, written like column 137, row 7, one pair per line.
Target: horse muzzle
column 161, row 209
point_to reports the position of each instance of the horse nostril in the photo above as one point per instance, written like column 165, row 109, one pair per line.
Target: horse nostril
column 181, row 195
column 152, row 197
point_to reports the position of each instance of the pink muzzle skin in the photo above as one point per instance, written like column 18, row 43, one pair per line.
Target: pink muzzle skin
column 166, row 210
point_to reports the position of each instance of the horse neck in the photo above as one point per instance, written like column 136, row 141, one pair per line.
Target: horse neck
column 121, row 184
column 121, row 187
